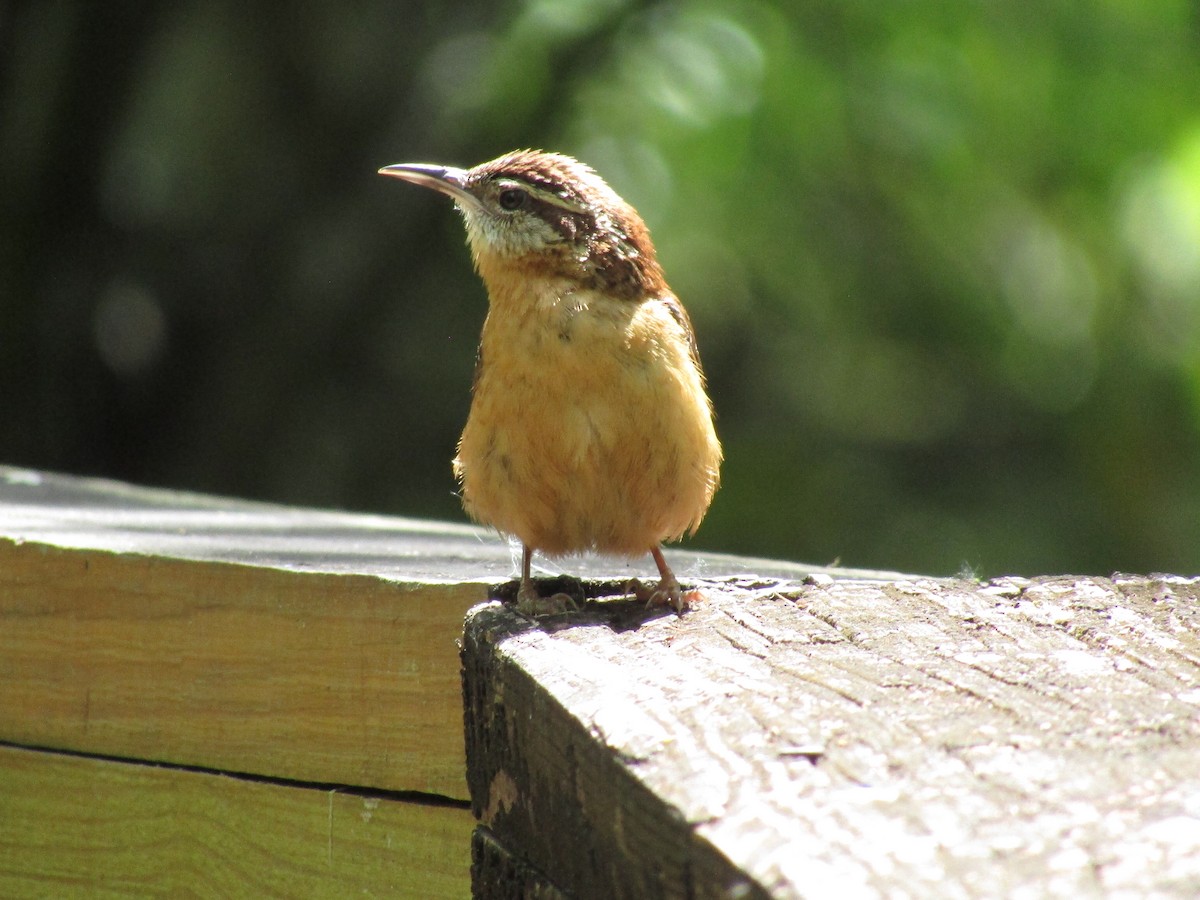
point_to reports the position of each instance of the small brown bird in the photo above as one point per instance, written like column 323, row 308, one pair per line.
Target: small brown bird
column 590, row 428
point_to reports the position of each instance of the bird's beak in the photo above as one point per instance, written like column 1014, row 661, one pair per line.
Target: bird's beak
column 446, row 179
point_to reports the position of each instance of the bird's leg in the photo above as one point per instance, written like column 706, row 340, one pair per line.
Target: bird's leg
column 667, row 592
column 527, row 593
column 529, row 601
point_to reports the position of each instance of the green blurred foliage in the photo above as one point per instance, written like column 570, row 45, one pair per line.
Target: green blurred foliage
column 943, row 258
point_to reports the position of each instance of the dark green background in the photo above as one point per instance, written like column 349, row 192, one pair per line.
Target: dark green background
column 943, row 257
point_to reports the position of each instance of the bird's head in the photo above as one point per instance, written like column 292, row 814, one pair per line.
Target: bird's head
column 549, row 212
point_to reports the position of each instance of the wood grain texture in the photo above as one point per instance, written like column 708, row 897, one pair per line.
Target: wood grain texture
column 495, row 872
column 321, row 678
column 75, row 827
column 835, row 739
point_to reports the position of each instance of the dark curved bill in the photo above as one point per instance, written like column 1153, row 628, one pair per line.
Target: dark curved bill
column 446, row 179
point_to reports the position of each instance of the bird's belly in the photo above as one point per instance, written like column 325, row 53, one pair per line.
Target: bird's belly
column 571, row 451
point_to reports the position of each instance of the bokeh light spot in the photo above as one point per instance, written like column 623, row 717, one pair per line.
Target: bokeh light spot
column 130, row 329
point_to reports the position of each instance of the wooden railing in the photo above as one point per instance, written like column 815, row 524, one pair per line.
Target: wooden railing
column 232, row 699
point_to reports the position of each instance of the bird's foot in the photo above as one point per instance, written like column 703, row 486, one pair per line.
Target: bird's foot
column 531, row 603
column 666, row 593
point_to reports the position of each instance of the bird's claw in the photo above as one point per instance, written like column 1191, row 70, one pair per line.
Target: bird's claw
column 666, row 593
column 531, row 603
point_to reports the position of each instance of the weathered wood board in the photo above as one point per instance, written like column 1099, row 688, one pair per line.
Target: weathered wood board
column 78, row 827
column 844, row 739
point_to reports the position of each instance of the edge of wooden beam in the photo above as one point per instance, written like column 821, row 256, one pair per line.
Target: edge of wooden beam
column 344, row 679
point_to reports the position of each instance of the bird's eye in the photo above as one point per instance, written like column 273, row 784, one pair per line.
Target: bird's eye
column 512, row 198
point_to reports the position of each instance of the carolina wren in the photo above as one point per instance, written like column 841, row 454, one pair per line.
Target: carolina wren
column 590, row 428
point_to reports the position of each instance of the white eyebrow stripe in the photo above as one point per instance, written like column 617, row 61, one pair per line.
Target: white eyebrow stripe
column 561, row 202
column 544, row 195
